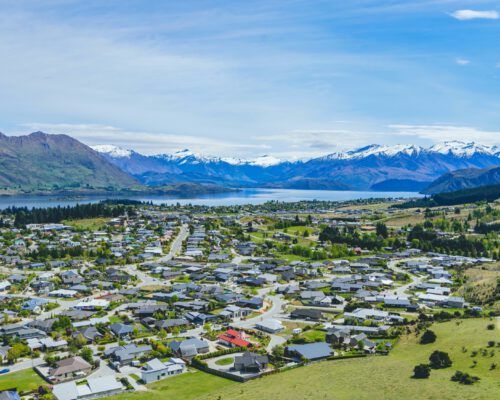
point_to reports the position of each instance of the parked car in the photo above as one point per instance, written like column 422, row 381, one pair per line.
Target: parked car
column 4, row 371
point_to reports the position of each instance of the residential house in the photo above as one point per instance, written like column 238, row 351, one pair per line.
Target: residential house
column 69, row 368
column 309, row 351
column 155, row 370
column 251, row 363
column 234, row 338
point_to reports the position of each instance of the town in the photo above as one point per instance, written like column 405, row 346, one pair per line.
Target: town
column 110, row 299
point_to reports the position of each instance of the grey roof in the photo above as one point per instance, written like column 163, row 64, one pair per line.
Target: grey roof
column 250, row 360
column 312, row 351
column 121, row 329
column 186, row 347
column 103, row 384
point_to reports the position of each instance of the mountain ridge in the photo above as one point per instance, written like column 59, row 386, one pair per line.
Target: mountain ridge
column 461, row 179
column 372, row 167
column 41, row 161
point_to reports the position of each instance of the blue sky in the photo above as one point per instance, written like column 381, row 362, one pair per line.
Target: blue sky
column 245, row 78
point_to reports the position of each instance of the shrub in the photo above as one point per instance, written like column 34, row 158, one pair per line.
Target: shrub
column 428, row 337
column 439, row 359
column 421, row 371
column 490, row 327
column 464, row 378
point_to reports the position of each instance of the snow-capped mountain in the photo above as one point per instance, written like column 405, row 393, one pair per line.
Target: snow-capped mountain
column 462, row 149
column 455, row 148
column 112, row 151
column 377, row 167
column 375, row 150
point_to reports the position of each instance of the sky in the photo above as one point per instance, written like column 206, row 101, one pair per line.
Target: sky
column 293, row 79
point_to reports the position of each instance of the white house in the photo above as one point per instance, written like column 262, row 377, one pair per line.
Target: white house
column 156, row 370
column 94, row 387
column 4, row 285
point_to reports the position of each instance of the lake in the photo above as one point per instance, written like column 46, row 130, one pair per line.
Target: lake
column 245, row 196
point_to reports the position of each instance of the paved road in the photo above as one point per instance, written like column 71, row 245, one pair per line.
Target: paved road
column 175, row 248
column 176, row 245
column 272, row 313
column 67, row 304
column 401, row 290
column 25, row 364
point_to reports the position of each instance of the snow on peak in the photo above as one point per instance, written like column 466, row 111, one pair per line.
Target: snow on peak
column 113, row 151
column 376, row 150
column 184, row 153
column 264, row 161
column 462, row 149
column 455, row 148
column 188, row 156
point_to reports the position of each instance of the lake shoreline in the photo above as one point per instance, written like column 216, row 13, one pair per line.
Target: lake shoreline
column 228, row 198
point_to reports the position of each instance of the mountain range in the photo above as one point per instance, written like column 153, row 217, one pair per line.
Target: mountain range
column 374, row 167
column 44, row 162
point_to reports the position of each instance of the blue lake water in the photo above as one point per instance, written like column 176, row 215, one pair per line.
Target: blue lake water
column 246, row 196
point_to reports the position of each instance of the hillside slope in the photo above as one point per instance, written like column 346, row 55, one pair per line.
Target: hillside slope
column 38, row 162
column 465, row 179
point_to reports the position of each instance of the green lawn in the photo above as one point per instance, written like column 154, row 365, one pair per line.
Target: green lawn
column 370, row 378
column 23, row 381
column 188, row 386
column 114, row 319
column 92, row 224
column 387, row 377
column 225, row 361
column 313, row 335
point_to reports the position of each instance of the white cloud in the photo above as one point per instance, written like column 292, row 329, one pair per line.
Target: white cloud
column 462, row 61
column 465, row 15
column 146, row 142
column 442, row 133
column 292, row 145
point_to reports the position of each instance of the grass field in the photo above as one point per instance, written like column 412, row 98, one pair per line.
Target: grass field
column 371, row 378
column 93, row 224
column 188, row 386
column 481, row 286
column 388, row 377
column 24, row 381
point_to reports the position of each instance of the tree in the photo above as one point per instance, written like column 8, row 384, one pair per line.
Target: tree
column 16, row 351
column 87, row 355
column 381, row 229
column 80, row 340
column 63, row 322
column 464, row 378
column 440, row 359
column 428, row 337
column 421, row 371
column 12, row 355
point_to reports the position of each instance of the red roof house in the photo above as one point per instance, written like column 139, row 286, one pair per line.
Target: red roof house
column 233, row 338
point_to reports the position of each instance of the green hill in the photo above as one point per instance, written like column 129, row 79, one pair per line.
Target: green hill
column 42, row 162
column 465, row 179
column 483, row 193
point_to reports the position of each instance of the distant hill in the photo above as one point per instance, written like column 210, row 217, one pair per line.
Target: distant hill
column 374, row 167
column 399, row 185
column 483, row 193
column 465, row 179
column 42, row 162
